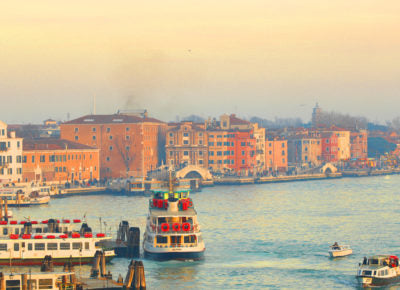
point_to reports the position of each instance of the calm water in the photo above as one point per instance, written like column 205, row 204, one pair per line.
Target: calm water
column 262, row 236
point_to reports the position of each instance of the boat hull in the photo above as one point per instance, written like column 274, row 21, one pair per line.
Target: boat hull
column 56, row 261
column 181, row 256
column 377, row 282
column 343, row 253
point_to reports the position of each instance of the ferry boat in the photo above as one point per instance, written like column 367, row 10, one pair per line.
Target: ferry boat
column 20, row 199
column 337, row 250
column 32, row 280
column 30, row 249
column 38, row 227
column 379, row 270
column 172, row 230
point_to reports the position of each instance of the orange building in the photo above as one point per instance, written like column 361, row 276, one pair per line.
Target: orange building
column 186, row 144
column 58, row 160
column 359, row 144
column 276, row 158
column 129, row 145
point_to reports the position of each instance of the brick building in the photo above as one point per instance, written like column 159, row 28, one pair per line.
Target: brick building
column 276, row 158
column 129, row 145
column 330, row 152
column 186, row 144
column 58, row 160
column 359, row 144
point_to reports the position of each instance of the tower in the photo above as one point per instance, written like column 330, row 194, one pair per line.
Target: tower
column 316, row 116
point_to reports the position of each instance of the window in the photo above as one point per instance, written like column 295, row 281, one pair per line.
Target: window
column 111, row 148
column 108, row 158
column 18, row 144
column 283, row 145
column 87, row 243
column 201, row 142
column 13, row 284
column 108, row 130
column 242, row 143
column 76, row 138
column 185, row 142
column 16, row 247
column 29, row 247
column 127, row 148
column 232, row 161
column 127, row 129
column 76, row 130
column 3, row 247
column 161, row 239
column 19, row 170
column 171, row 153
column 45, row 283
column 200, row 161
column 211, row 161
column 52, row 246
column 283, row 152
column 93, row 129
column 201, row 153
column 219, row 153
column 39, row 247
column 76, row 246
column 243, row 161
column 219, row 143
column 243, row 153
column 110, row 137
column 185, row 153
column 232, row 144
column 127, row 137
column 211, row 153
column 65, row 246
column 185, row 134
column 94, row 137
column 210, row 143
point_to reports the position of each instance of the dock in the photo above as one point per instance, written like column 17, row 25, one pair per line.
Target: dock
column 93, row 190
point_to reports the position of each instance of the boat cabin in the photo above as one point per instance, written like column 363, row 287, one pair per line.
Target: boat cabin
column 43, row 280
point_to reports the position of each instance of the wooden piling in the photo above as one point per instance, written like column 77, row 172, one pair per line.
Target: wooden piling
column 137, row 275
column 133, row 243
column 95, row 272
column 24, row 284
column 47, row 264
column 129, row 275
column 142, row 276
column 123, row 229
column 2, row 282
column 103, row 265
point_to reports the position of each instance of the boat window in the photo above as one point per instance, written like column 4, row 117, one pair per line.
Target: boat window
column 45, row 284
column 374, row 262
column 189, row 239
column 175, row 239
column 374, row 273
column 39, row 247
column 17, row 231
column 386, row 272
column 3, row 247
column 65, row 246
column 161, row 240
column 5, row 231
column 162, row 220
column 367, row 273
column 52, row 246
column 86, row 245
column 13, row 284
column 76, row 246
column 16, row 246
column 39, row 230
column 29, row 247
column 32, row 284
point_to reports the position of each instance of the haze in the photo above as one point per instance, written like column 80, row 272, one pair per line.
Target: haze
column 264, row 58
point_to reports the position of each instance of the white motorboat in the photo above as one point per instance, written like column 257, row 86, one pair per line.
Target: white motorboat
column 339, row 250
column 378, row 271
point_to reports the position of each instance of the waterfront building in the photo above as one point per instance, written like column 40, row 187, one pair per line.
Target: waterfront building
column 304, row 151
column 186, row 144
column 276, row 155
column 55, row 160
column 130, row 145
column 330, row 152
column 10, row 155
column 359, row 144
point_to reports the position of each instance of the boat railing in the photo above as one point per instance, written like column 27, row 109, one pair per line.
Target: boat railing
column 175, row 228
column 176, row 245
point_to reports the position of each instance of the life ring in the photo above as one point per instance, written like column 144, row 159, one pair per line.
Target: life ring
column 186, row 227
column 176, row 227
column 165, row 227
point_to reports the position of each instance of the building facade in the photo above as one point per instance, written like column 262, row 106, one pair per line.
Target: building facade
column 359, row 144
column 129, row 145
column 276, row 159
column 304, row 150
column 10, row 155
column 55, row 160
column 186, row 144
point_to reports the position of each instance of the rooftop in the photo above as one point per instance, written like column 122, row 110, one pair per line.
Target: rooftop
column 52, row 144
column 111, row 119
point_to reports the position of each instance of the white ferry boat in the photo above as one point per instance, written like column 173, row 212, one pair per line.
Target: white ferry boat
column 172, row 230
column 20, row 199
column 32, row 280
column 30, row 249
column 38, row 227
column 379, row 270
column 337, row 250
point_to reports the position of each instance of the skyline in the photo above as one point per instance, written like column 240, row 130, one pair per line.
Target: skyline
column 258, row 58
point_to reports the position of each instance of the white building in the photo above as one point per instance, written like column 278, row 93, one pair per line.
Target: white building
column 10, row 156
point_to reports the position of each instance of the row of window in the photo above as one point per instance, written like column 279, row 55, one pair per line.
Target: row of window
column 9, row 171
column 5, row 145
column 9, row 159
column 185, row 134
column 57, row 158
column 42, row 246
column 226, row 161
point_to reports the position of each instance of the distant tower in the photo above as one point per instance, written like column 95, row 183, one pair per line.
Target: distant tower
column 316, row 116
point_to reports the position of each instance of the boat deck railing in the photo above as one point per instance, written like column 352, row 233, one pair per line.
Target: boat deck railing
column 173, row 228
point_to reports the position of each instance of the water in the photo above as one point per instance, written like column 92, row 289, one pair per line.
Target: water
column 261, row 236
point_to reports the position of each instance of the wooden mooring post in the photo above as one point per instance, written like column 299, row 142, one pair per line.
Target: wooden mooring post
column 122, row 234
column 47, row 264
column 133, row 243
column 135, row 278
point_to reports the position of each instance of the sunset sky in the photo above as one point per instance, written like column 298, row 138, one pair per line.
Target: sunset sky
column 265, row 58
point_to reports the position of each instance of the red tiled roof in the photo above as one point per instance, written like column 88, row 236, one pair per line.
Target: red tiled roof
column 52, row 144
column 111, row 119
column 236, row 121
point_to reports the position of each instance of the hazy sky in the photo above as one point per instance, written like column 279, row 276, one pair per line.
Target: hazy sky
column 264, row 58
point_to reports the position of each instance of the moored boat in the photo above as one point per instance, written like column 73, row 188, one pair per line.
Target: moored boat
column 337, row 250
column 20, row 199
column 30, row 249
column 172, row 230
column 379, row 270
column 32, row 280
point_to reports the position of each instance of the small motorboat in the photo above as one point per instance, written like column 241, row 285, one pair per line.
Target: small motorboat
column 337, row 250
